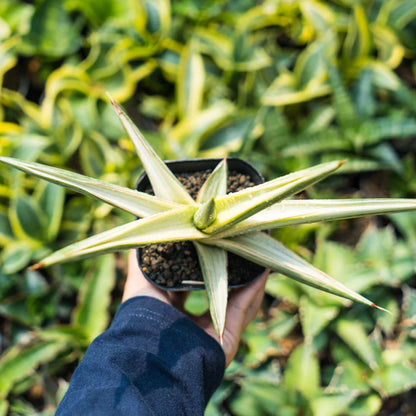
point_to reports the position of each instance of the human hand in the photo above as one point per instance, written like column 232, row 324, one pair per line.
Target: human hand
column 243, row 305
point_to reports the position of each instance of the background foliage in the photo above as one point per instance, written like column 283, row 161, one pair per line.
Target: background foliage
column 281, row 83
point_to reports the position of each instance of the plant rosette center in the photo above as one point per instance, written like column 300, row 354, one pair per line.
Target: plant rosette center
column 175, row 266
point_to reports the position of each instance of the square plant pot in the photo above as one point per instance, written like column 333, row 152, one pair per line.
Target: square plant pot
column 174, row 266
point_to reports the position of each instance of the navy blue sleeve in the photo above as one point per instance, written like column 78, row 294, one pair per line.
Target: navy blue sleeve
column 153, row 360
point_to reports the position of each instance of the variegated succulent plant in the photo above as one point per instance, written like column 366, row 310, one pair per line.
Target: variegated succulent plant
column 216, row 222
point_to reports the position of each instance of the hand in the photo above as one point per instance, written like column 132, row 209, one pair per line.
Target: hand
column 243, row 305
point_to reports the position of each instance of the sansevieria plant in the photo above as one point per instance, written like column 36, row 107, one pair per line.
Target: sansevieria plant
column 215, row 222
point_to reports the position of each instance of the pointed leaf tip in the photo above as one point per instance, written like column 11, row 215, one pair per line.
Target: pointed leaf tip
column 115, row 105
column 342, row 162
column 380, row 308
column 164, row 183
column 36, row 266
column 205, row 215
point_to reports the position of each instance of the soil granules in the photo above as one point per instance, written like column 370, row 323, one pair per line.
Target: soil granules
column 169, row 264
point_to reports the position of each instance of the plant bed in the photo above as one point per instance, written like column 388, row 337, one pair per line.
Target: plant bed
column 175, row 266
column 216, row 222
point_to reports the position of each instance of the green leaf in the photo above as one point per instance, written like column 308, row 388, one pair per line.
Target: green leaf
column 65, row 334
column 164, row 183
column 52, row 32
column 310, row 66
column 213, row 263
column 339, row 260
column 366, row 406
column 392, row 259
column 247, row 55
column 27, row 220
column 285, row 90
column 355, row 336
column 93, row 156
column 174, row 225
column 205, row 215
column 228, row 136
column 6, row 232
column 315, row 317
column 158, row 16
column 51, row 200
column 383, row 128
column 94, row 297
column 216, row 184
column 320, row 15
column 303, row 211
column 186, row 136
column 100, row 11
column 137, row 203
column 268, row 252
column 332, row 404
column 15, row 257
column 190, row 83
column 302, row 373
column 21, row 360
column 261, row 344
column 282, row 287
column 4, row 405
column 344, row 107
column 351, row 375
column 409, row 309
column 215, row 44
column 396, row 375
column 324, row 140
column 390, row 49
column 358, row 41
column 238, row 206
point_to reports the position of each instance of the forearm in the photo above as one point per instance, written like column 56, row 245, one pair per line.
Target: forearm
column 152, row 360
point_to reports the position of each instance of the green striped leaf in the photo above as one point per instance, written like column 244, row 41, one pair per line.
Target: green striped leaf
column 268, row 252
column 303, row 211
column 214, row 187
column 190, row 83
column 213, row 262
column 216, row 184
column 185, row 137
column 21, row 360
column 164, row 183
column 27, row 219
column 345, row 110
column 205, row 215
column 51, row 200
column 238, row 206
column 137, row 203
column 174, row 225
column 353, row 333
column 358, row 40
column 94, row 297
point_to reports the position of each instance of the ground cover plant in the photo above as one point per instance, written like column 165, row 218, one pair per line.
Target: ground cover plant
column 248, row 78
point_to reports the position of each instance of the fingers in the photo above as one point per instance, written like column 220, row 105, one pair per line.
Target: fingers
column 135, row 278
column 244, row 303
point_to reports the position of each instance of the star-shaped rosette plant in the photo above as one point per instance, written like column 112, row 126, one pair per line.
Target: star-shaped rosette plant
column 216, row 222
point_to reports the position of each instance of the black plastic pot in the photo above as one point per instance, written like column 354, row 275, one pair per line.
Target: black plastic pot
column 196, row 165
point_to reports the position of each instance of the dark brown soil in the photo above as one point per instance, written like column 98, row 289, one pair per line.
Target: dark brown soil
column 171, row 263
